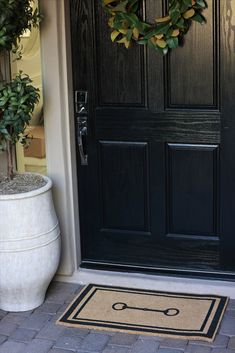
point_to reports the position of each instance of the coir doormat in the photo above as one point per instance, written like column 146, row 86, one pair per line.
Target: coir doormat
column 148, row 312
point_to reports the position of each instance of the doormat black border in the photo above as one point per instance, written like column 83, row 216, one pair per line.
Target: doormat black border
column 139, row 329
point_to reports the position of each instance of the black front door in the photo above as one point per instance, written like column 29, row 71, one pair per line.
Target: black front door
column 159, row 188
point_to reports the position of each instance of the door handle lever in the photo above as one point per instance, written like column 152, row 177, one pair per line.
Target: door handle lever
column 81, row 109
column 81, row 134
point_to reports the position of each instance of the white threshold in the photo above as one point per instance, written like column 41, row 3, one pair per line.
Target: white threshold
column 162, row 283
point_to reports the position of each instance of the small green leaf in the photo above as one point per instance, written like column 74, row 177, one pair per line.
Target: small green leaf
column 173, row 42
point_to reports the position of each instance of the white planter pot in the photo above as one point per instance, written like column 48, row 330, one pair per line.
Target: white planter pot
column 29, row 248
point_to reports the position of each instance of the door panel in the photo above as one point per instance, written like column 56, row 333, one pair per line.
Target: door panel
column 124, row 177
column 118, row 83
column 193, row 189
column 160, row 142
column 192, row 71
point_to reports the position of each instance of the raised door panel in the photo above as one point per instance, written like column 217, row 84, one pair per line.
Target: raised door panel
column 193, row 177
column 120, row 72
column 191, row 72
column 124, row 186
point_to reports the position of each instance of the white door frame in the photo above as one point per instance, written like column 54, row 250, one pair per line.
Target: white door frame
column 59, row 126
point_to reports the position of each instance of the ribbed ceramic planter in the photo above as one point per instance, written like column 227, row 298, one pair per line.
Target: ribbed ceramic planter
column 29, row 248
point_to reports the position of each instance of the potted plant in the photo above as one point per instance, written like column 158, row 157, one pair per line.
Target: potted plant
column 16, row 17
column 29, row 231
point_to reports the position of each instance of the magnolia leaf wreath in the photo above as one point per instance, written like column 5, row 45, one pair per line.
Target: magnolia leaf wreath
column 164, row 34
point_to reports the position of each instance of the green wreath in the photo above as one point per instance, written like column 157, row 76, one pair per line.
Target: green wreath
column 165, row 34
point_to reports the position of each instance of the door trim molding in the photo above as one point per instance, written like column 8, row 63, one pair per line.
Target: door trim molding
column 59, row 126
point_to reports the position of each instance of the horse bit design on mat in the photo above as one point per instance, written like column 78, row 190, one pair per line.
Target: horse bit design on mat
column 123, row 306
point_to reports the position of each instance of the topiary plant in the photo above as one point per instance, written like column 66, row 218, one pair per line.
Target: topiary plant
column 16, row 16
column 17, row 97
column 17, row 101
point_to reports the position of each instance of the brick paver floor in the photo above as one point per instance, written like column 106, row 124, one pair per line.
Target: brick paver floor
column 35, row 332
